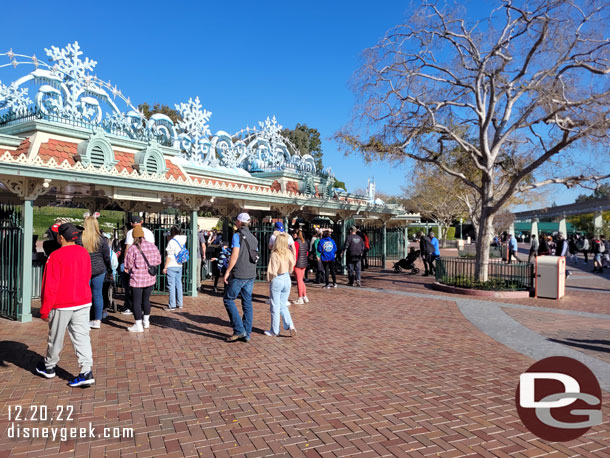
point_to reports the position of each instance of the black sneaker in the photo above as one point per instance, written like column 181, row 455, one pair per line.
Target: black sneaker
column 245, row 339
column 42, row 370
column 85, row 379
column 235, row 337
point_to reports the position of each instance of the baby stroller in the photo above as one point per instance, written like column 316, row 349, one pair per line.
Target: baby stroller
column 408, row 263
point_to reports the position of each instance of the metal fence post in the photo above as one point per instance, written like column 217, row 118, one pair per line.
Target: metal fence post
column 24, row 310
column 384, row 245
column 406, row 241
column 343, row 255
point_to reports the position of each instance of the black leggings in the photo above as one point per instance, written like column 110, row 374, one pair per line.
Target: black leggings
column 329, row 265
column 141, row 300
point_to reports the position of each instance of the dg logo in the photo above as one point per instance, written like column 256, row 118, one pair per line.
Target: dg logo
column 559, row 399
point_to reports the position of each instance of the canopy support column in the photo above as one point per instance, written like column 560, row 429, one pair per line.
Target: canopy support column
column 24, row 308
column 193, row 287
column 597, row 223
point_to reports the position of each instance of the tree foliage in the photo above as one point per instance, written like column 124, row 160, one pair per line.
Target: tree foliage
column 518, row 93
column 147, row 111
column 307, row 140
column 601, row 192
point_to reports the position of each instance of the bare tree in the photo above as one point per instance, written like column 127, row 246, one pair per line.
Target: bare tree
column 433, row 196
column 530, row 84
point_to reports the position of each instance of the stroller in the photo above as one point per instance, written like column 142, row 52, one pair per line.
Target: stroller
column 408, row 263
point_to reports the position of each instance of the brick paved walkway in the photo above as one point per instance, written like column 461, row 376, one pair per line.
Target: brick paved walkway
column 370, row 374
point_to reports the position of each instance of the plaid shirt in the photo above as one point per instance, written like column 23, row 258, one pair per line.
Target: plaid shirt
column 135, row 264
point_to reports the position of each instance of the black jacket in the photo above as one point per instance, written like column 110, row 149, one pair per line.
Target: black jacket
column 354, row 246
column 100, row 259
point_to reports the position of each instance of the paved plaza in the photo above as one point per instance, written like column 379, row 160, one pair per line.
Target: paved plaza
column 390, row 369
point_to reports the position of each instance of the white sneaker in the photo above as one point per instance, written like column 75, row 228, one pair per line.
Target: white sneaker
column 287, row 303
column 293, row 331
column 94, row 324
column 137, row 327
column 305, row 299
column 299, row 301
column 146, row 322
column 270, row 334
column 127, row 312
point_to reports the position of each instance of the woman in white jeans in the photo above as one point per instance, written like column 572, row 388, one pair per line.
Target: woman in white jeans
column 280, row 266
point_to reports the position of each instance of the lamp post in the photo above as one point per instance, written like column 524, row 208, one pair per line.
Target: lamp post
column 461, row 233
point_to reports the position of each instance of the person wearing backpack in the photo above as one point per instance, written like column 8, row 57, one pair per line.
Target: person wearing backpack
column 354, row 247
column 239, row 279
column 177, row 254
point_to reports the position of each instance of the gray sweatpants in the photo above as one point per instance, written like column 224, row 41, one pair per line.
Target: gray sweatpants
column 77, row 322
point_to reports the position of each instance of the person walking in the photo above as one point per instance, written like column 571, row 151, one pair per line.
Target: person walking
column 66, row 304
column 302, row 249
column 543, row 247
column 534, row 245
column 597, row 248
column 424, row 246
column 281, row 263
column 97, row 247
column 513, row 248
column 140, row 261
column 173, row 267
column 585, row 247
column 434, row 252
column 239, row 279
column 572, row 250
column 354, row 247
column 328, row 249
column 562, row 245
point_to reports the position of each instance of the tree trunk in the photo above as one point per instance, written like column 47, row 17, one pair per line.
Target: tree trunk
column 484, row 238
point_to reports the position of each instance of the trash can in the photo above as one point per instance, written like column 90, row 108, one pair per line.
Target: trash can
column 550, row 275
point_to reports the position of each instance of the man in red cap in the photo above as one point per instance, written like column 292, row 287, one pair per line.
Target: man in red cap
column 66, row 303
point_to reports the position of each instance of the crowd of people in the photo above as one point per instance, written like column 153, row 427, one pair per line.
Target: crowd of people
column 82, row 264
column 596, row 246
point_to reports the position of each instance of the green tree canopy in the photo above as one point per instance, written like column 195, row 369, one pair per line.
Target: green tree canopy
column 307, row 140
column 602, row 192
column 159, row 108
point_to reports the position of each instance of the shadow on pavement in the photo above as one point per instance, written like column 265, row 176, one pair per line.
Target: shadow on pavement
column 585, row 344
column 18, row 354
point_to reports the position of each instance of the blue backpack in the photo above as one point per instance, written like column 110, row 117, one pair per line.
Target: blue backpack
column 183, row 254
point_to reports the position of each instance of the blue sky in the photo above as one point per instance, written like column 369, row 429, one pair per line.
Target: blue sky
column 244, row 60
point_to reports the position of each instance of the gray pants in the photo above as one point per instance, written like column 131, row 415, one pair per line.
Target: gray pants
column 77, row 323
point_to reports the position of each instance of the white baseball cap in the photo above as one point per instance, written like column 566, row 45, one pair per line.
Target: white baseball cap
column 243, row 218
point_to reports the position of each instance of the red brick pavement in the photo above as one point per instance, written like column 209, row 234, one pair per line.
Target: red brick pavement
column 589, row 335
column 370, row 374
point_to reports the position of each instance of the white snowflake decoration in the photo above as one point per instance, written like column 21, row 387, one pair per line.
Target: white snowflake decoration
column 194, row 118
column 271, row 130
column 14, row 99
column 193, row 129
column 68, row 65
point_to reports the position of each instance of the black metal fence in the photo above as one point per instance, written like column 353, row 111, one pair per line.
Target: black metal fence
column 11, row 256
column 501, row 275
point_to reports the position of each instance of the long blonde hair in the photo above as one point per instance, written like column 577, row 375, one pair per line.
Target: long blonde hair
column 281, row 245
column 91, row 234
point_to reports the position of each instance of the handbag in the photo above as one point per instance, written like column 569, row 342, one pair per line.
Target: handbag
column 152, row 270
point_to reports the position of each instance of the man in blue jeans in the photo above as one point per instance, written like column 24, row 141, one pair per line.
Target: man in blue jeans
column 239, row 279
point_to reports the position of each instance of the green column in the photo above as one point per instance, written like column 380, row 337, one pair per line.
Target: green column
column 343, row 238
column 24, row 310
column 193, row 257
column 384, row 245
